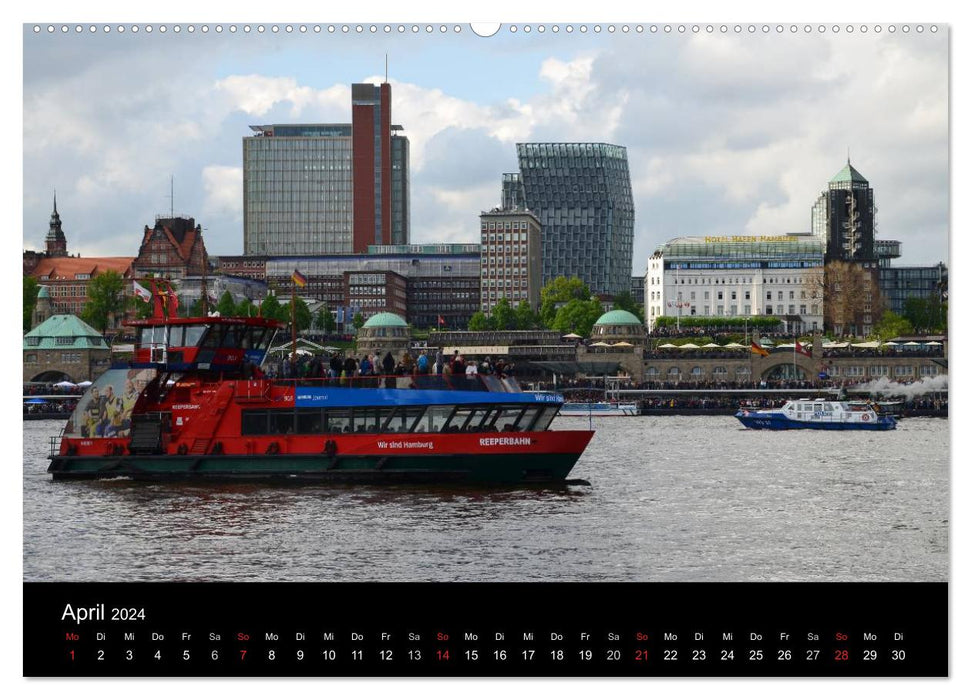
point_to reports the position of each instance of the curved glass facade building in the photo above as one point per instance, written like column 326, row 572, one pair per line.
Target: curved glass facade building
column 581, row 194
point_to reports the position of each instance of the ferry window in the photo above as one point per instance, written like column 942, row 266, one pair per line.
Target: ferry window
column 310, row 421
column 193, row 334
column 827, row 406
column 368, row 420
column 506, row 419
column 281, row 422
column 254, row 423
column 403, row 419
column 212, row 337
column 230, row 338
column 545, row 418
column 176, row 335
column 468, row 418
column 434, row 419
column 818, row 407
column 339, row 420
column 526, row 421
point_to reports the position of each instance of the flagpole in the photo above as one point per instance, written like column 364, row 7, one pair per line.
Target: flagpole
column 293, row 319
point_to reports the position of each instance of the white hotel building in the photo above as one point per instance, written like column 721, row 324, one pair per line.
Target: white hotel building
column 737, row 277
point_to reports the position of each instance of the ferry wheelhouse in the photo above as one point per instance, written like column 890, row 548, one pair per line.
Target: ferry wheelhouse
column 817, row 414
column 193, row 404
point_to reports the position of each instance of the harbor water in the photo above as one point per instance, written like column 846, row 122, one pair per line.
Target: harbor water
column 671, row 498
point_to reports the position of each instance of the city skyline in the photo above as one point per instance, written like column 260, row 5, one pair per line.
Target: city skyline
column 726, row 134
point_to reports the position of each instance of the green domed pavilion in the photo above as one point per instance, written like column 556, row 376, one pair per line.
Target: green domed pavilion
column 382, row 332
column 618, row 326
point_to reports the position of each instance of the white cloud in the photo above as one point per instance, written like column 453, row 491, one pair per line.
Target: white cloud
column 224, row 192
column 728, row 134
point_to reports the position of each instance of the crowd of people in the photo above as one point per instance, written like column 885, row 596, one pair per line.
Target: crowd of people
column 345, row 366
column 51, row 389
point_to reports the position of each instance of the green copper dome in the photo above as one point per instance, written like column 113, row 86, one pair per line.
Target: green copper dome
column 618, row 317
column 385, row 319
column 43, row 293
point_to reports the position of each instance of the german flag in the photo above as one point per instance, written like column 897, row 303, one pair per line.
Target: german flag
column 759, row 350
column 298, row 278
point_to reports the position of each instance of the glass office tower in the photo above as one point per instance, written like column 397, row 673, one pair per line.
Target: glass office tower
column 318, row 189
column 581, row 194
column 297, row 190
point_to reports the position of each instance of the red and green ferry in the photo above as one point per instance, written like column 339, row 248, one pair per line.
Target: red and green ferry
column 193, row 404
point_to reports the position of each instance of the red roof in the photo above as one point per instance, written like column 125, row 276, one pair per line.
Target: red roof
column 69, row 268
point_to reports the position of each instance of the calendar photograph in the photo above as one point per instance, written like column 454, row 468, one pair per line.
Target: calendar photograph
column 466, row 303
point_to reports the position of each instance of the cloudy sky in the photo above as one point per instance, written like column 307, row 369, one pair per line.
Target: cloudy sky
column 726, row 133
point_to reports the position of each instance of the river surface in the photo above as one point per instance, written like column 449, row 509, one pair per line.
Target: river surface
column 672, row 498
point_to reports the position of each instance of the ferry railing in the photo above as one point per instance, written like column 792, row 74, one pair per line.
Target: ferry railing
column 443, row 382
column 55, row 444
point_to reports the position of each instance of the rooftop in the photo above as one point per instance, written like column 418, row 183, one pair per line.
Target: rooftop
column 848, row 174
column 64, row 332
column 618, row 317
column 385, row 318
column 70, row 268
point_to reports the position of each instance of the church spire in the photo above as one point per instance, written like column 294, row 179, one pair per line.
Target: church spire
column 56, row 242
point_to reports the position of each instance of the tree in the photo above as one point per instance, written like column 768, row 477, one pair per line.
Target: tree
column 480, row 322
column 503, row 316
column 272, row 308
column 325, row 320
column 302, row 315
column 105, row 299
column 31, row 289
column 892, row 325
column 358, row 320
column 851, row 298
column 525, row 317
column 143, row 309
column 245, row 308
column 557, row 292
column 577, row 316
column 226, row 305
column 625, row 302
column 926, row 314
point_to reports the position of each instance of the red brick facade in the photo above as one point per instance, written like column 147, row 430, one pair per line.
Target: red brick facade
column 173, row 248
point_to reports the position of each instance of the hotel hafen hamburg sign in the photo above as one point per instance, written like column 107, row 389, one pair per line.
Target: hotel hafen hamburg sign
column 751, row 239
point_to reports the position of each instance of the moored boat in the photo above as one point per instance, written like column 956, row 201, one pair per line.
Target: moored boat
column 193, row 404
column 816, row 414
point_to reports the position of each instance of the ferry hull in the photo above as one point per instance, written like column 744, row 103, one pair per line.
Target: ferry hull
column 499, row 467
column 778, row 421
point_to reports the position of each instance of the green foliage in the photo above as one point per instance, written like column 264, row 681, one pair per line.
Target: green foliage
column 557, row 291
column 196, row 308
column 358, row 320
column 105, row 300
column 480, row 322
column 526, row 319
column 503, row 316
column 892, row 325
column 272, row 308
column 226, row 305
column 245, row 308
column 625, row 302
column 302, row 314
column 325, row 320
column 144, row 309
column 31, row 289
column 577, row 316
column 926, row 315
